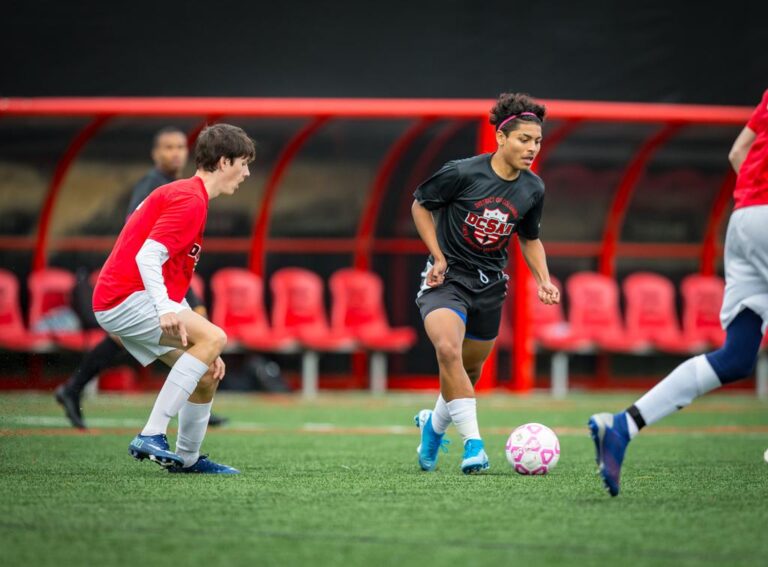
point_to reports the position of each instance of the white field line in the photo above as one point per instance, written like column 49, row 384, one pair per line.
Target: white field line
column 330, row 428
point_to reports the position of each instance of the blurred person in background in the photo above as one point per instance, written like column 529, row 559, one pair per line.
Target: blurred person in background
column 744, row 313
column 169, row 154
column 478, row 203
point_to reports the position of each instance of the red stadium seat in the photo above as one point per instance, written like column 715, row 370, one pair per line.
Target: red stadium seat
column 13, row 334
column 358, row 310
column 593, row 316
column 238, row 308
column 651, row 318
column 298, row 309
column 594, row 322
column 549, row 330
column 50, row 291
column 702, row 300
column 552, row 331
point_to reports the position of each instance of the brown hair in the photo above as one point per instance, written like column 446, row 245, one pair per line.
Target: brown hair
column 222, row 141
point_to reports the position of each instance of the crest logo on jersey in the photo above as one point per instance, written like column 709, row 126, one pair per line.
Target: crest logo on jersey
column 489, row 227
column 194, row 252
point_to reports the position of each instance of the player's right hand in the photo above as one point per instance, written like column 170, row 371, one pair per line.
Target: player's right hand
column 171, row 325
column 436, row 274
column 219, row 369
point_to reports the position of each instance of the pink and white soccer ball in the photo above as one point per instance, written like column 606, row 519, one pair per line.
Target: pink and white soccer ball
column 533, row 448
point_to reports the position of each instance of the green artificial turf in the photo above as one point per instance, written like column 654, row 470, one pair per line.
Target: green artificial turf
column 335, row 482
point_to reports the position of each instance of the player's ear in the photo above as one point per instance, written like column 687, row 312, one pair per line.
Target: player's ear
column 222, row 162
column 501, row 137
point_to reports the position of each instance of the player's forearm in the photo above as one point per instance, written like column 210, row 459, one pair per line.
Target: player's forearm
column 425, row 226
column 536, row 258
column 150, row 260
column 740, row 148
column 737, row 157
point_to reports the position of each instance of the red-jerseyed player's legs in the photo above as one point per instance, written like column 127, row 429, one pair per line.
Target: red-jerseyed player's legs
column 205, row 341
column 207, row 386
column 192, row 370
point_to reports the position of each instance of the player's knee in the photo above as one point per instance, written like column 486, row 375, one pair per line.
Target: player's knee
column 217, row 338
column 221, row 338
column 447, row 352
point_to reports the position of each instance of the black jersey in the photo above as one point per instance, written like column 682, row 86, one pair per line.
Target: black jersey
column 478, row 211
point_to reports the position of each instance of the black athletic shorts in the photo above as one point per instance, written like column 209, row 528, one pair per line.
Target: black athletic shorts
column 475, row 296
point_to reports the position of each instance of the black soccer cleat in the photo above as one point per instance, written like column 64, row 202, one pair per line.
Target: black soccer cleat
column 71, row 404
column 217, row 420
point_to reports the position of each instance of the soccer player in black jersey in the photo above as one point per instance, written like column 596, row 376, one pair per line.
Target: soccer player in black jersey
column 466, row 214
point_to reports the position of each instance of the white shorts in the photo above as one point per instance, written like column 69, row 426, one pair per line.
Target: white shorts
column 746, row 265
column 137, row 324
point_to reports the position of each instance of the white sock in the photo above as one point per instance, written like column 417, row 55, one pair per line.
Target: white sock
column 181, row 382
column 464, row 417
column 441, row 416
column 193, row 423
column 693, row 378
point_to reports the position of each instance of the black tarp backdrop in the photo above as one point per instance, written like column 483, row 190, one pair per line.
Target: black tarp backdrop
column 687, row 52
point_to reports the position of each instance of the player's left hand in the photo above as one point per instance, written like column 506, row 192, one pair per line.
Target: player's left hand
column 219, row 368
column 548, row 293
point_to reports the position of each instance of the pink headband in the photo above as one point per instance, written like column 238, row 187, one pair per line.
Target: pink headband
column 500, row 126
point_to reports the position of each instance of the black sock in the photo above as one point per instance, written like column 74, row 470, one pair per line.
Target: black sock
column 102, row 356
column 634, row 413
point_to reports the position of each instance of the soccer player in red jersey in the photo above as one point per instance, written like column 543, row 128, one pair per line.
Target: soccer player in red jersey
column 139, row 297
column 169, row 154
column 744, row 313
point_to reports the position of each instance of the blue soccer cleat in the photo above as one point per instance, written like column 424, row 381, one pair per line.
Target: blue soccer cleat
column 204, row 466
column 155, row 448
column 611, row 437
column 431, row 442
column 475, row 458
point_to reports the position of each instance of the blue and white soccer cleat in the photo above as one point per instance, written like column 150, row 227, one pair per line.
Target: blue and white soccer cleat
column 431, row 442
column 611, row 437
column 475, row 458
column 204, row 466
column 155, row 448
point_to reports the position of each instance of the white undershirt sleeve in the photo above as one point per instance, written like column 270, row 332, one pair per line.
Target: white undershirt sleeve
column 150, row 260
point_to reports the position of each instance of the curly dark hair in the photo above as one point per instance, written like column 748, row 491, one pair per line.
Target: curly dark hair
column 222, row 141
column 510, row 104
